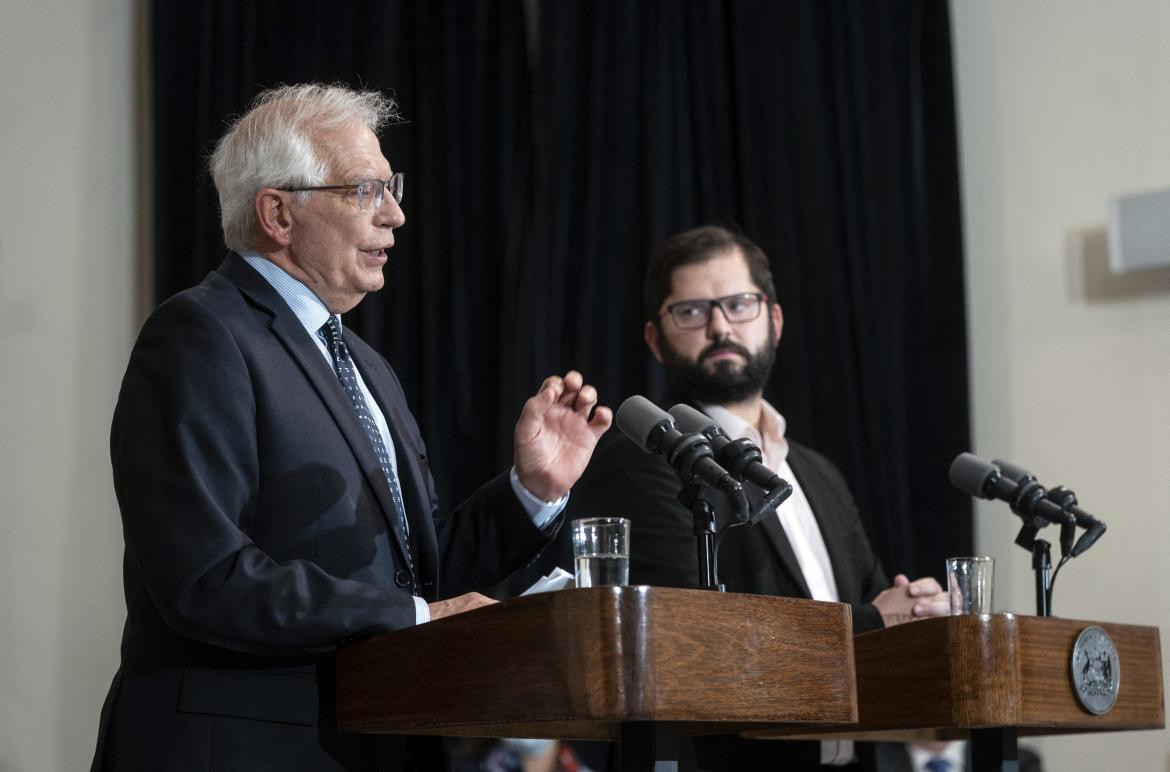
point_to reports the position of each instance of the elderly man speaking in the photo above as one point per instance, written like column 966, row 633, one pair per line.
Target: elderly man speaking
column 274, row 489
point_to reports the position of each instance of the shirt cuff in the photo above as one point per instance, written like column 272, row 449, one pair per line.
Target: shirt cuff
column 422, row 612
column 542, row 512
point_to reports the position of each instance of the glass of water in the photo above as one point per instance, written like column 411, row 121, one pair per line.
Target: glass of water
column 969, row 581
column 601, row 550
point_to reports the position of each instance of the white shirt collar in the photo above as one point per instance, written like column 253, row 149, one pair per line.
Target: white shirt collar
column 308, row 308
column 772, row 424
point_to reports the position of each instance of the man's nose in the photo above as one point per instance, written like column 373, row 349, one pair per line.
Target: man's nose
column 717, row 324
column 389, row 213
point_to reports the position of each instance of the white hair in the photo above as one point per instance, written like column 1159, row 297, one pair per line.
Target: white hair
column 272, row 146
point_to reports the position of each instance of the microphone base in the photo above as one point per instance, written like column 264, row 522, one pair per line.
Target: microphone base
column 706, row 535
column 1041, row 564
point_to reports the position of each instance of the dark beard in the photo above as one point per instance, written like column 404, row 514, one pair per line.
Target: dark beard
column 692, row 382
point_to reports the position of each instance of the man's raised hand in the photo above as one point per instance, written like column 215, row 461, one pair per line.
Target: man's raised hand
column 556, row 434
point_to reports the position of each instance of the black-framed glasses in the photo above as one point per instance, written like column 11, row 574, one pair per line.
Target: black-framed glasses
column 738, row 308
column 369, row 193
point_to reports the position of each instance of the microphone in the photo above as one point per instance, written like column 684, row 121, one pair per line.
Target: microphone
column 1067, row 500
column 739, row 457
column 1021, row 476
column 1094, row 528
column 653, row 430
column 973, row 475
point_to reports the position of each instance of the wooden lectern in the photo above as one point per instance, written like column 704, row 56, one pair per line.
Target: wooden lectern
column 635, row 664
column 992, row 678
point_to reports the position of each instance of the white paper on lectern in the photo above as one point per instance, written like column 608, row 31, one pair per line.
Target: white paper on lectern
column 559, row 579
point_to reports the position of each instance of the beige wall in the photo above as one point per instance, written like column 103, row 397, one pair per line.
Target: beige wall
column 1063, row 104
column 67, row 310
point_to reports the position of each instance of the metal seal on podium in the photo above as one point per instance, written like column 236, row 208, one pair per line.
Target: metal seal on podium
column 1096, row 670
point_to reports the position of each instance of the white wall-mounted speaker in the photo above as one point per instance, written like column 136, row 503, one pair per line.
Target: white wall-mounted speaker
column 1139, row 231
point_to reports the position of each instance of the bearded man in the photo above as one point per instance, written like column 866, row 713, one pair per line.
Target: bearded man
column 713, row 322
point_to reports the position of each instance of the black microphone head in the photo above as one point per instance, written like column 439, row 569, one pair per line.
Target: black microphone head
column 1013, row 472
column 688, row 420
column 970, row 474
column 638, row 417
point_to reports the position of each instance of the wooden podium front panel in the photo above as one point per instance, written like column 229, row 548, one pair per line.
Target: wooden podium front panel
column 1047, row 699
column 731, row 657
column 945, row 672
column 577, row 663
column 1001, row 670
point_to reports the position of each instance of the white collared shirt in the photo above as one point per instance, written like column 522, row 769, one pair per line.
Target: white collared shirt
column 795, row 513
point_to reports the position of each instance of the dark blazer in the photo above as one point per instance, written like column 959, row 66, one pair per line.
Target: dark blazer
column 259, row 536
column 624, row 481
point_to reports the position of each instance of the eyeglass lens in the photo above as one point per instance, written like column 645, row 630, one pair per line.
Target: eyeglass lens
column 372, row 191
column 697, row 313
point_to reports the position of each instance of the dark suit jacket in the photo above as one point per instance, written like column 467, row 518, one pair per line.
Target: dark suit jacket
column 624, row 481
column 258, row 536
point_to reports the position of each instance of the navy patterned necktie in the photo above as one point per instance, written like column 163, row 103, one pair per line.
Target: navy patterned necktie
column 938, row 764
column 345, row 373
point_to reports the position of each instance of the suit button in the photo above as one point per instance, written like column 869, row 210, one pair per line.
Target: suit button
column 402, row 577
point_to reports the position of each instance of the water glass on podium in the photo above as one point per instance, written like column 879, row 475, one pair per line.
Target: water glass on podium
column 969, row 582
column 601, row 551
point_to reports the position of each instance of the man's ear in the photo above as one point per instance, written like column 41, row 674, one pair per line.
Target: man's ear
column 650, row 334
column 273, row 215
column 777, row 320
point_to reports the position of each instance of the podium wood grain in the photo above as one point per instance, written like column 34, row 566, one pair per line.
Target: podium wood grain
column 955, row 674
column 578, row 663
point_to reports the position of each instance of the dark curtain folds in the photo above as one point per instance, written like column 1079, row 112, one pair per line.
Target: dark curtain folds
column 825, row 132
column 535, row 190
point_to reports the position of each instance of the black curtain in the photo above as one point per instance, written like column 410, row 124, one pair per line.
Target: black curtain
column 536, row 189
column 460, row 74
column 825, row 131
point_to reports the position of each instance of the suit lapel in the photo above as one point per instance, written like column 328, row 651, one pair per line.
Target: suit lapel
column 779, row 541
column 293, row 336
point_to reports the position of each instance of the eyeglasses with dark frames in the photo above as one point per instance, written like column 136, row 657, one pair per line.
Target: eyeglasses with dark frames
column 737, row 309
column 367, row 192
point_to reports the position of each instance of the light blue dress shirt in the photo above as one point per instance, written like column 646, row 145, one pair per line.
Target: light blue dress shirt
column 313, row 314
